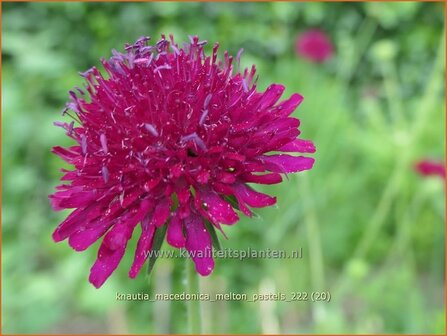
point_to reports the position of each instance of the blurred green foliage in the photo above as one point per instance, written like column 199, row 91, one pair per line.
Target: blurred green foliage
column 372, row 231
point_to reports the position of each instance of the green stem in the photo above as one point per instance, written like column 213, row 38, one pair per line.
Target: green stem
column 391, row 84
column 403, row 160
column 316, row 260
column 193, row 306
column 362, row 41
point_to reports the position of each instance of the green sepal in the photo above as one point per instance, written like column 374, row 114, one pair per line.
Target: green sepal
column 233, row 201
column 159, row 237
column 214, row 238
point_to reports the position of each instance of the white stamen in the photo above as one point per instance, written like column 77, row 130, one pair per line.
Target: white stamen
column 70, row 128
column 161, row 67
column 83, row 144
column 141, row 60
column 203, row 117
column 245, row 85
column 105, row 174
column 194, row 137
column 238, row 59
column 151, row 129
column 103, row 140
column 174, row 47
column 207, row 101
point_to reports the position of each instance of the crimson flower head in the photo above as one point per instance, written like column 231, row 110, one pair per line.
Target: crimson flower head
column 169, row 140
column 314, row 45
column 431, row 168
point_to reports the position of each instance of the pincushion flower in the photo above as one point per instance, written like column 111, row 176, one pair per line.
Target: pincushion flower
column 170, row 139
column 314, row 45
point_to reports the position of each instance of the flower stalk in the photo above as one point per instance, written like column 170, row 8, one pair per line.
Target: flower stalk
column 193, row 306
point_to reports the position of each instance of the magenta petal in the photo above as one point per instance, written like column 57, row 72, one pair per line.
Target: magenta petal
column 114, row 244
column 83, row 239
column 271, row 96
column 110, row 253
column 282, row 126
column 55, row 203
column 198, row 203
column 144, row 247
column 175, row 236
column 74, row 221
column 71, row 199
column 284, row 163
column 198, row 244
column 253, row 198
column 272, row 178
column 69, row 225
column 69, row 155
column 299, row 145
column 242, row 206
column 65, row 192
column 161, row 212
column 218, row 210
column 77, row 199
column 130, row 197
column 286, row 107
column 87, row 235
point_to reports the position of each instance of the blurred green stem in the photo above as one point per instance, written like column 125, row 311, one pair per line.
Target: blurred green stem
column 363, row 39
column 193, row 306
column 347, row 67
column 391, row 85
column 403, row 160
column 315, row 249
column 400, row 249
column 382, row 209
column 432, row 90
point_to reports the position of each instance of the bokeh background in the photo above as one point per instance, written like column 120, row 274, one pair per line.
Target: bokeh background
column 371, row 228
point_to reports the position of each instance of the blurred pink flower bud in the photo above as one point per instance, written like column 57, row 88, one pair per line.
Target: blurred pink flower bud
column 431, row 167
column 314, row 45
